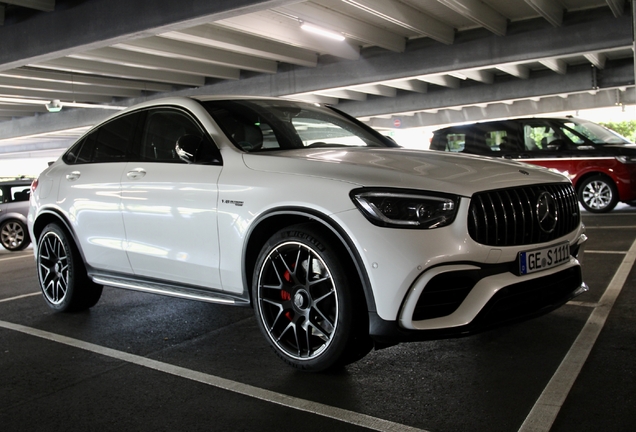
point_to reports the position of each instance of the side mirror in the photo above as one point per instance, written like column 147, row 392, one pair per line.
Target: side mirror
column 187, row 147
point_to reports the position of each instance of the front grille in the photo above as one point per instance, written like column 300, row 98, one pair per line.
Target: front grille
column 508, row 217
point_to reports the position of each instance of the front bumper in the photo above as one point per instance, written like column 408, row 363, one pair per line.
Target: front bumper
column 461, row 299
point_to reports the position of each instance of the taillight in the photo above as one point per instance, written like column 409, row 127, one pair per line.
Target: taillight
column 34, row 185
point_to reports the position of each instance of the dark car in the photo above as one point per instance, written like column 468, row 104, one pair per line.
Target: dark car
column 14, row 208
column 600, row 163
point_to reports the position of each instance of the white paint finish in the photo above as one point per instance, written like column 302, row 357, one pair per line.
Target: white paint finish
column 170, row 216
column 91, row 201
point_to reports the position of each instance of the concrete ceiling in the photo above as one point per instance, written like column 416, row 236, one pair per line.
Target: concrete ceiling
column 402, row 63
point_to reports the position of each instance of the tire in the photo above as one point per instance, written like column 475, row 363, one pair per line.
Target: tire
column 314, row 320
column 61, row 272
column 598, row 194
column 14, row 235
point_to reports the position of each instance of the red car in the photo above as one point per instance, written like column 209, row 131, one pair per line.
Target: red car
column 600, row 163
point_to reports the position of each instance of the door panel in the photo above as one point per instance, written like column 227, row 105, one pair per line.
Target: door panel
column 171, row 222
column 90, row 195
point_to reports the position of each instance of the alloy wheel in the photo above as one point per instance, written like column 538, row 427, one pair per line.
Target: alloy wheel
column 597, row 195
column 298, row 302
column 53, row 266
column 12, row 235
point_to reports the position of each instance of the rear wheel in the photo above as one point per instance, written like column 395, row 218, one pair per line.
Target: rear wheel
column 306, row 304
column 598, row 194
column 14, row 235
column 62, row 274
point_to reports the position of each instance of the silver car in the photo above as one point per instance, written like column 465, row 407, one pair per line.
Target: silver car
column 14, row 208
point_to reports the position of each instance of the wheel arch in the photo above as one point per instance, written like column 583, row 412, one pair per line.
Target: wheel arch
column 580, row 180
column 274, row 220
column 47, row 216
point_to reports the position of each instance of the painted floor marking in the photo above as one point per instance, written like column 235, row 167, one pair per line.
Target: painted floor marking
column 588, row 227
column 19, row 297
column 546, row 409
column 606, row 252
column 16, row 257
column 335, row 413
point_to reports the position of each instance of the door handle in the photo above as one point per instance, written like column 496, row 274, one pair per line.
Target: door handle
column 72, row 176
column 136, row 173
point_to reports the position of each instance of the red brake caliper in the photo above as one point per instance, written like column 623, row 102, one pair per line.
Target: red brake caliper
column 286, row 296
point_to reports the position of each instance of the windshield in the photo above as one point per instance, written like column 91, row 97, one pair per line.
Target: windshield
column 593, row 132
column 264, row 125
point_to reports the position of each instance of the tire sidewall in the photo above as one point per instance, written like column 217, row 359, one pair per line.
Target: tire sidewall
column 67, row 303
column 333, row 354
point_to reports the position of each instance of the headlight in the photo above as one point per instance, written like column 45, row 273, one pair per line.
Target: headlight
column 626, row 159
column 406, row 209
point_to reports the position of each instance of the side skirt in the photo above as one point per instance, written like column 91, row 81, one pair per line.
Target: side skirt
column 163, row 288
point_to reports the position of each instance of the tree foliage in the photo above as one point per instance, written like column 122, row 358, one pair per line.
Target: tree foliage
column 624, row 128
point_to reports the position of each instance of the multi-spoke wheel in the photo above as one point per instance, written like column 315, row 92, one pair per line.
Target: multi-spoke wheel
column 304, row 301
column 598, row 194
column 61, row 272
column 14, row 235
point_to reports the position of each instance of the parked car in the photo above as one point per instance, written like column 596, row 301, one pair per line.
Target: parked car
column 14, row 208
column 600, row 163
column 338, row 239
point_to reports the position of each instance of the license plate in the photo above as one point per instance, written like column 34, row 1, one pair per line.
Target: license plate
column 544, row 258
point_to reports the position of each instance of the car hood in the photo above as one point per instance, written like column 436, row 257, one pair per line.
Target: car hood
column 401, row 168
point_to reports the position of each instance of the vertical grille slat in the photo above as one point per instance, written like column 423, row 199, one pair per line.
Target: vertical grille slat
column 508, row 217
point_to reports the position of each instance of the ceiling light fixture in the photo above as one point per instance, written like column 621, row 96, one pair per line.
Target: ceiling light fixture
column 54, row 106
column 321, row 31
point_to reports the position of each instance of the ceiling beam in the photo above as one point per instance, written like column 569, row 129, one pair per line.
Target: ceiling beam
column 42, row 5
column 64, row 87
column 82, row 27
column 479, row 13
column 135, row 59
column 280, row 28
column 617, row 7
column 81, row 79
column 557, row 65
column 551, row 10
column 226, row 39
column 49, row 95
column 407, row 17
column 351, row 27
column 98, row 68
column 577, row 80
column 159, row 46
column 516, row 70
column 597, row 59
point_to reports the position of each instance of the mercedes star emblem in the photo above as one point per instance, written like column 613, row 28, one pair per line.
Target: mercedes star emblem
column 547, row 213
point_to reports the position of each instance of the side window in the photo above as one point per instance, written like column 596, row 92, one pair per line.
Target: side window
column 163, row 128
column 538, row 136
column 20, row 193
column 455, row 142
column 110, row 142
column 500, row 141
column 452, row 142
column 2, row 197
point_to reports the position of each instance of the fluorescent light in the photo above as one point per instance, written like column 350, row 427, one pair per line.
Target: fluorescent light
column 321, row 31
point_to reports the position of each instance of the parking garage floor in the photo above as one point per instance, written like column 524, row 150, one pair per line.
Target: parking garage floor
column 149, row 363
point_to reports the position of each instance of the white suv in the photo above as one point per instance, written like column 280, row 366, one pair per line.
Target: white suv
column 340, row 240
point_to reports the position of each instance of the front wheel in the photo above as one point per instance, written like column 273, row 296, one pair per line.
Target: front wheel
column 14, row 235
column 65, row 285
column 598, row 194
column 304, row 301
